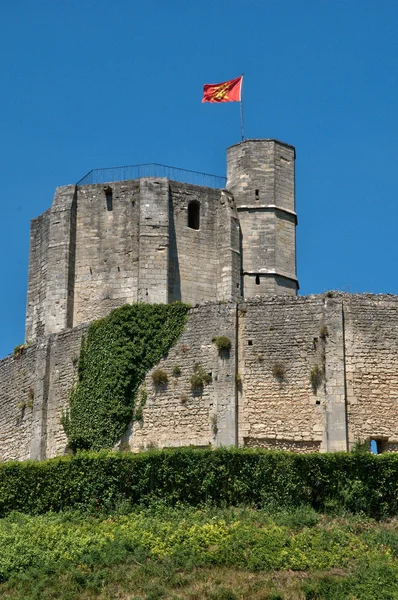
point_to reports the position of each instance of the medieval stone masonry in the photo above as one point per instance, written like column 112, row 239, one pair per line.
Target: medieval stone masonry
column 316, row 373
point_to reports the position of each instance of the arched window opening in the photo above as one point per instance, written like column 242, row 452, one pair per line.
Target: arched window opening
column 377, row 446
column 194, row 215
column 257, row 279
column 109, row 198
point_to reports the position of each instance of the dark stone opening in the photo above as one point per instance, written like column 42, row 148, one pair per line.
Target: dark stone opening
column 109, row 198
column 194, row 215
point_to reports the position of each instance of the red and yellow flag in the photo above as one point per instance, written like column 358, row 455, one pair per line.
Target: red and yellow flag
column 229, row 91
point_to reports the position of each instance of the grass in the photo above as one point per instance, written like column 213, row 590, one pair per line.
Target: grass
column 198, row 554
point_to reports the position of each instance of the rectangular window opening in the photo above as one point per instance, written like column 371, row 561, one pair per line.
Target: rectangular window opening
column 109, row 198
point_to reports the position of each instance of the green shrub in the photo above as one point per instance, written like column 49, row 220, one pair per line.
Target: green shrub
column 196, row 381
column 159, row 377
column 115, row 356
column 341, row 481
column 199, row 378
column 223, row 343
column 176, row 371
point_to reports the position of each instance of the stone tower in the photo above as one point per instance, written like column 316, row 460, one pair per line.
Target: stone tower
column 154, row 239
column 260, row 175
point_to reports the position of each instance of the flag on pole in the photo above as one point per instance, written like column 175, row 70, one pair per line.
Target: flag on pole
column 228, row 91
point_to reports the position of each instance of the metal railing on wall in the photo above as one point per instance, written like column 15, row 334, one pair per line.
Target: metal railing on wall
column 152, row 170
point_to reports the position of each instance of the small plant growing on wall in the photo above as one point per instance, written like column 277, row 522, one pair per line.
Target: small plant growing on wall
column 124, row 447
column 214, row 425
column 279, row 371
column 138, row 414
column 361, row 447
column 199, row 378
column 160, row 378
column 238, row 379
column 316, row 377
column 223, row 344
column 323, row 332
column 18, row 350
column 196, row 381
column 176, row 371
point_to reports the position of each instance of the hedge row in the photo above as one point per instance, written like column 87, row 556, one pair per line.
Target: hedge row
column 357, row 482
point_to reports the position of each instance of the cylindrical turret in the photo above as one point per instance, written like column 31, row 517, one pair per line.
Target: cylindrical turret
column 260, row 175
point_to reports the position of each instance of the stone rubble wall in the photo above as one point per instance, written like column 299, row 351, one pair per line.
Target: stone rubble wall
column 17, row 378
column 276, row 354
column 371, row 358
column 261, row 394
column 176, row 414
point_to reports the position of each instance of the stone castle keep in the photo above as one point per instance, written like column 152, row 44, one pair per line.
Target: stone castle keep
column 315, row 373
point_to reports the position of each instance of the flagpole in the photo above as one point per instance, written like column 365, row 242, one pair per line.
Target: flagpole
column 241, row 110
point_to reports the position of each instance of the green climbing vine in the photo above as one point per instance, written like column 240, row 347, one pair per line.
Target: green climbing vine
column 115, row 356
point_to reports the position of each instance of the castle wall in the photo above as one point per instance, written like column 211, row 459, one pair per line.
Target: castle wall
column 62, row 367
column 58, row 305
column 263, row 394
column 37, row 278
column 17, row 379
column 277, row 406
column 176, row 415
column 371, row 351
column 194, row 262
column 107, row 250
column 153, row 252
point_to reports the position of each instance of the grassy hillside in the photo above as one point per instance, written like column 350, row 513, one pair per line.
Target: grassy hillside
column 190, row 553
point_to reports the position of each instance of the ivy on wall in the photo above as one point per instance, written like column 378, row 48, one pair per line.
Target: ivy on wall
column 115, row 356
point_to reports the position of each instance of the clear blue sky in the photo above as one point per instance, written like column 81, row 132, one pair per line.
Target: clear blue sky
column 96, row 83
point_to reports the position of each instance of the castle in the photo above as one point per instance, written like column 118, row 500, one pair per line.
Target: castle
column 315, row 373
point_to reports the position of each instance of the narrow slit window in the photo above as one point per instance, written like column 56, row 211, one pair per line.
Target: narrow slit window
column 257, row 193
column 109, row 198
column 194, row 215
column 257, row 279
